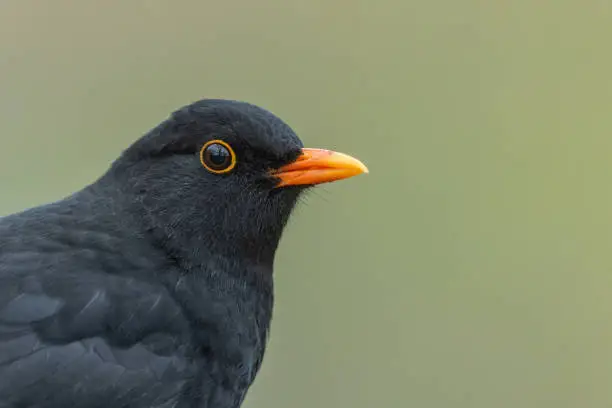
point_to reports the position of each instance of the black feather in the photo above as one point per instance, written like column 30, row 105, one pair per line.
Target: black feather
column 152, row 287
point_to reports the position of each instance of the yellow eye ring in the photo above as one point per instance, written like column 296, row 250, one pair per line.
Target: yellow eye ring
column 218, row 157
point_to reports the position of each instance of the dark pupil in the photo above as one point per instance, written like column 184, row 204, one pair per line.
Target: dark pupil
column 218, row 157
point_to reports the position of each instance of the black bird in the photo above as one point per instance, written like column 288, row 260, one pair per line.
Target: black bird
column 152, row 287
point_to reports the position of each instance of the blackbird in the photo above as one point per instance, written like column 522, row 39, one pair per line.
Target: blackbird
column 152, row 287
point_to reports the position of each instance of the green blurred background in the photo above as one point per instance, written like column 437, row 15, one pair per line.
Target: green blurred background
column 470, row 268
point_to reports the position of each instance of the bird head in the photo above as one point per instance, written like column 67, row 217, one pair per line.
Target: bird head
column 225, row 176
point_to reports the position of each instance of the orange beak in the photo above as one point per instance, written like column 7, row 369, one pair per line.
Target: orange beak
column 316, row 166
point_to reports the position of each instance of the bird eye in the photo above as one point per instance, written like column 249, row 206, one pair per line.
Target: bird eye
column 217, row 157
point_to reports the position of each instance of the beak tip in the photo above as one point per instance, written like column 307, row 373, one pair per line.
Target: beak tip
column 363, row 169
